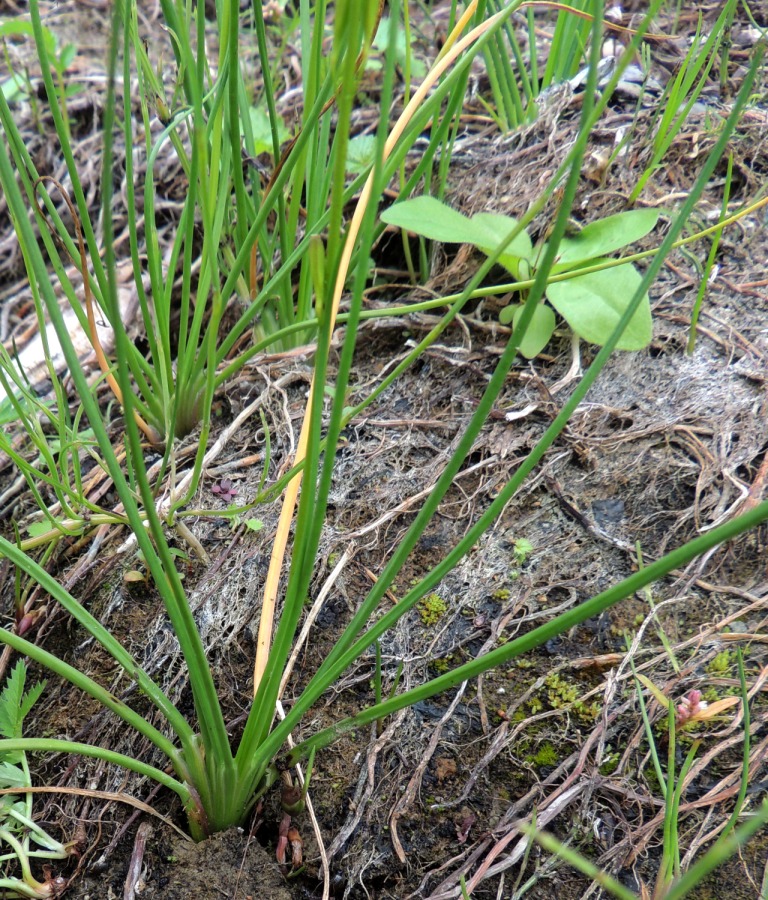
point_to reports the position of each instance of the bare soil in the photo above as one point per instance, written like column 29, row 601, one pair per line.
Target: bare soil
column 665, row 447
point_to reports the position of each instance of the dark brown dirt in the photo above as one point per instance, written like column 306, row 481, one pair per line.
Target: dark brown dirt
column 665, row 447
column 226, row 865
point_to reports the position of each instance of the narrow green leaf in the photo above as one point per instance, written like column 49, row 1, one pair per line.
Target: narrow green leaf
column 593, row 305
column 30, row 698
column 66, row 57
column 657, row 693
column 13, row 88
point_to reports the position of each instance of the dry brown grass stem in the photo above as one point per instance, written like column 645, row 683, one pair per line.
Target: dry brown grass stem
column 108, row 796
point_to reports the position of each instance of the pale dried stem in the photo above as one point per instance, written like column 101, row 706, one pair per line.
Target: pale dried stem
column 313, row 818
column 313, row 614
column 264, row 639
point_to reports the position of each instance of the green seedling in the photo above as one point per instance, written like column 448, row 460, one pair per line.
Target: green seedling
column 431, row 608
column 591, row 302
column 133, row 576
column 21, row 838
column 251, row 524
column 521, row 550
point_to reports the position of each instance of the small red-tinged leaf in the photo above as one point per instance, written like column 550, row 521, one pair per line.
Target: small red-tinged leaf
column 282, row 840
column 464, row 827
column 282, row 846
column 226, row 489
column 27, row 621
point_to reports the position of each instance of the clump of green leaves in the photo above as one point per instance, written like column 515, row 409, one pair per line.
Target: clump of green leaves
column 20, row 837
column 431, row 609
column 592, row 303
column 443, row 664
column 561, row 692
column 18, row 86
column 521, row 550
column 545, row 755
column 721, row 663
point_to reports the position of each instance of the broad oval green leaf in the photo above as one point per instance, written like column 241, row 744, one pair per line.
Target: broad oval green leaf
column 539, row 331
column 593, row 304
column 429, row 217
column 605, row 236
column 435, row 220
column 495, row 228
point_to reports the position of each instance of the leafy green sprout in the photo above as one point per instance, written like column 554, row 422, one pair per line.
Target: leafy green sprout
column 592, row 302
column 25, row 839
column 136, row 575
column 521, row 550
column 431, row 608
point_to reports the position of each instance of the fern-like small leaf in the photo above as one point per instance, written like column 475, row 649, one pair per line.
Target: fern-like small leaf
column 30, row 698
column 14, row 703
